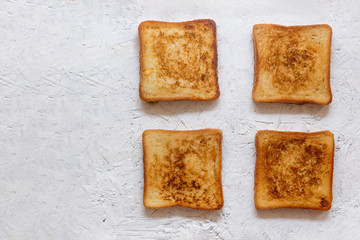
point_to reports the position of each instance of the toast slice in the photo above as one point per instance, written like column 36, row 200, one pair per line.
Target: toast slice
column 178, row 61
column 182, row 168
column 292, row 64
column 294, row 170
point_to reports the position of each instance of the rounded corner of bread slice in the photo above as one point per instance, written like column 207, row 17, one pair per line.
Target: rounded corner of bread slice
column 255, row 97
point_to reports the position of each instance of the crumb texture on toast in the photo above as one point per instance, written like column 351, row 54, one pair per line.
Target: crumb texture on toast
column 292, row 64
column 183, row 168
column 178, row 60
column 294, row 169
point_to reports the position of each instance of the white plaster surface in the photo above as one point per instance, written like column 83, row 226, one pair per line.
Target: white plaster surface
column 71, row 121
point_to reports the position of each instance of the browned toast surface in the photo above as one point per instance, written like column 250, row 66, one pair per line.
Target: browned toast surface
column 182, row 168
column 294, row 170
column 178, row 61
column 292, row 64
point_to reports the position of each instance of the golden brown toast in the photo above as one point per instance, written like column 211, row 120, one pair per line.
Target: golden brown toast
column 178, row 61
column 294, row 170
column 182, row 168
column 292, row 64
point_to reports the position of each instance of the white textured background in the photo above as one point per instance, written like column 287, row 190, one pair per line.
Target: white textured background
column 71, row 121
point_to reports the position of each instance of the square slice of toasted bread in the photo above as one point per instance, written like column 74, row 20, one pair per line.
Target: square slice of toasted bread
column 178, row 61
column 292, row 64
column 182, row 168
column 294, row 170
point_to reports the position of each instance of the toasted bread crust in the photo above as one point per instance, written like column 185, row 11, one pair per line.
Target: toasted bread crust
column 259, row 172
column 146, row 170
column 287, row 99
column 142, row 61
